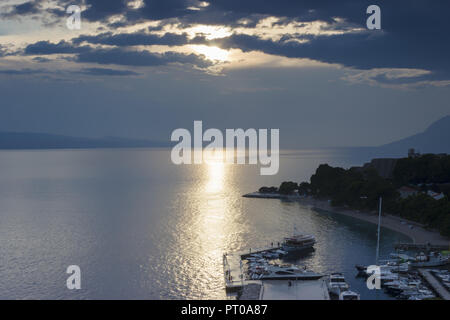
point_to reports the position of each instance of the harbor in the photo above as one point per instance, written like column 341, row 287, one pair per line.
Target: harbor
column 260, row 274
column 441, row 290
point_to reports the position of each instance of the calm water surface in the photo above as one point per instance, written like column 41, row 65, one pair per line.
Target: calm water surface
column 140, row 227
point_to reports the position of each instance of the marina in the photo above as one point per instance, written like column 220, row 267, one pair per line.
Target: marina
column 435, row 284
column 421, row 246
column 260, row 275
column 404, row 277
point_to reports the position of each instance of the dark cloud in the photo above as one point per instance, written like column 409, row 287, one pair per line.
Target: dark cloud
column 414, row 32
column 119, row 56
column 46, row 47
column 26, row 8
column 107, row 72
column 362, row 50
column 101, row 9
column 41, row 59
column 134, row 39
column 22, row 72
column 84, row 71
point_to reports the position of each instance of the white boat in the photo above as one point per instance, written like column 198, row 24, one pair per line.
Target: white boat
column 337, row 284
column 422, row 297
column 298, row 242
column 288, row 272
column 349, row 295
column 422, row 262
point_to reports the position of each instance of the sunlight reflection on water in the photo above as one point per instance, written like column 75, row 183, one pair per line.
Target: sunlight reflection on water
column 140, row 227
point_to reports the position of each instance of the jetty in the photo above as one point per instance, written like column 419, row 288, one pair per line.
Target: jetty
column 232, row 265
column 421, row 247
column 434, row 284
column 294, row 290
column 261, row 195
column 303, row 286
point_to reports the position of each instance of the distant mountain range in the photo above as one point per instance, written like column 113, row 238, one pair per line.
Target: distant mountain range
column 22, row 140
column 435, row 139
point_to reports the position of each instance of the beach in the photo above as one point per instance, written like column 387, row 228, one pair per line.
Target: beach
column 417, row 232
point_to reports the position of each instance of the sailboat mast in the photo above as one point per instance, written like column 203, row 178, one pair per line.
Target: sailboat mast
column 379, row 225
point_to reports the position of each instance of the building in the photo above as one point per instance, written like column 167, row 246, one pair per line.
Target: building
column 384, row 166
column 412, row 153
column 406, row 192
column 435, row 195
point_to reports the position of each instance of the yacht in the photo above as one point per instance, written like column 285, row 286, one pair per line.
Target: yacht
column 349, row 295
column 424, row 261
column 288, row 272
column 298, row 242
column 337, row 284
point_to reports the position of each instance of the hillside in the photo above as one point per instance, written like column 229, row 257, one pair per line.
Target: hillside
column 435, row 139
column 25, row 140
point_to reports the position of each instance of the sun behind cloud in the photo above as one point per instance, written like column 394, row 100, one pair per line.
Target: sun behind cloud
column 212, row 53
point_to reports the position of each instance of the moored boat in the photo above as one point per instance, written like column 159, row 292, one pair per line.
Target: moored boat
column 349, row 295
column 337, row 284
column 298, row 242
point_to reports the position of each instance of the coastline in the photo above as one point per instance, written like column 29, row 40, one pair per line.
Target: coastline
column 418, row 234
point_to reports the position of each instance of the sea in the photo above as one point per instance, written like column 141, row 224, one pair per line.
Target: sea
column 140, row 227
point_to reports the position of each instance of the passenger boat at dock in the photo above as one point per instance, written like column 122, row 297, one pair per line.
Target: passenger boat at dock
column 432, row 260
column 298, row 242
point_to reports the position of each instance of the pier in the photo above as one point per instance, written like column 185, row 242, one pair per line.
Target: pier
column 232, row 265
column 280, row 287
column 435, row 284
column 294, row 290
column 421, row 246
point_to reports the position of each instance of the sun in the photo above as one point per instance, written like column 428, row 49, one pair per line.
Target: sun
column 212, row 53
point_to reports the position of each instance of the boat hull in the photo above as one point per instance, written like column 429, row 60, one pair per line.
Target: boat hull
column 425, row 264
column 291, row 249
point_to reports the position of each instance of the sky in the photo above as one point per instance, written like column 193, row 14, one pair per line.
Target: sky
column 142, row 68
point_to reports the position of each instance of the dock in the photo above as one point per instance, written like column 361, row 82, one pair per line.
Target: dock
column 251, row 292
column 294, row 290
column 260, row 195
column 421, row 246
column 305, row 287
column 435, row 284
column 232, row 265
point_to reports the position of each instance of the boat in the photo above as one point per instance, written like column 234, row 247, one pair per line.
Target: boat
column 298, row 242
column 396, row 287
column 430, row 262
column 288, row 272
column 337, row 284
column 349, row 295
column 416, row 295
